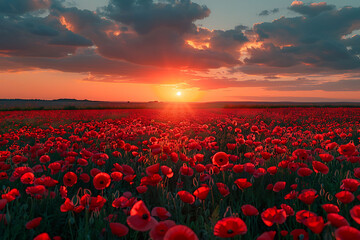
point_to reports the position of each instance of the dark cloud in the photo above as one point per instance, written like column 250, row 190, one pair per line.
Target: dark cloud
column 146, row 15
column 268, row 12
column 312, row 9
column 35, row 36
column 317, row 41
column 23, row 6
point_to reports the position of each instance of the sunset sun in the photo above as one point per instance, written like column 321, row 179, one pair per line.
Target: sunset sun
column 178, row 93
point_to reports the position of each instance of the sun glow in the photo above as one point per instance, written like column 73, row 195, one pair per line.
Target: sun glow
column 178, row 93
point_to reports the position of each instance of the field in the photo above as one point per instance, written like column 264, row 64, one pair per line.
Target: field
column 281, row 173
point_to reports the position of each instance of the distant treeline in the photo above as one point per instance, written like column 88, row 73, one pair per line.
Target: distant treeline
column 73, row 104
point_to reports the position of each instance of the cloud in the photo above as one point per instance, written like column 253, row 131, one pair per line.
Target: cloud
column 317, row 41
column 147, row 16
column 166, row 41
column 268, row 12
column 23, row 6
column 35, row 36
column 311, row 9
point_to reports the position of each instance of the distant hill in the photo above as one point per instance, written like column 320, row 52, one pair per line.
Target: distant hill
column 70, row 104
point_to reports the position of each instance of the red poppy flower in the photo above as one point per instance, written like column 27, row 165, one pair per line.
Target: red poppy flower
column 299, row 234
column 35, row 190
column 238, row 168
column 350, row 184
column 355, row 213
column 230, row 227
column 249, row 167
column 308, row 196
column 118, row 229
column 186, row 197
column 273, row 215
column 302, row 215
column 180, row 232
column 200, row 168
column 27, row 178
column 347, row 233
column 82, row 162
column 199, row 157
column 67, row 206
column 270, row 187
column 129, row 178
column 220, row 159
column 242, row 183
column 249, row 210
column 304, row 172
column 272, row 170
column 267, row 235
column 279, row 186
column 93, row 203
column 345, row 197
column 101, row 181
column 291, row 195
column 320, row 167
column 174, row 157
column 231, row 146
column 153, row 169
column 202, row 192
column 223, row 189
column 289, row 211
column 3, row 203
column 259, row 172
column 330, row 208
column 158, row 232
column 116, row 176
column 326, row 157
column 337, row 220
column 140, row 219
column 141, row 189
column 186, row 171
column 168, row 172
column 302, row 154
column 160, row 212
column 315, row 224
column 347, row 149
column 33, row 223
column 44, row 159
column 266, row 155
column 120, row 202
column 42, row 236
column 357, row 172
column 69, row 179
column 151, row 180
column 84, row 177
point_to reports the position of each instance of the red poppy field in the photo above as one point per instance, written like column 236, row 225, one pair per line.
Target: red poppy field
column 282, row 173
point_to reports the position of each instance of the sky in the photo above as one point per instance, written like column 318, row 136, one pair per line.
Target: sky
column 180, row 50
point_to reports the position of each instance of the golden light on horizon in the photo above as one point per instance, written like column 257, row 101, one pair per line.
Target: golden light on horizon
column 174, row 93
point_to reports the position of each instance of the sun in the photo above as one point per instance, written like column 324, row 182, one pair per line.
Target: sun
column 178, row 93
